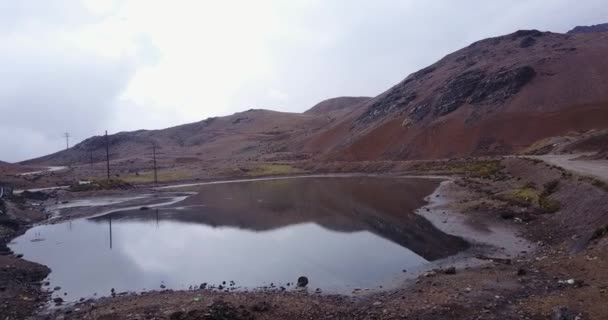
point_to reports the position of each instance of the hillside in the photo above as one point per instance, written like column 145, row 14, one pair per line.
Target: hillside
column 496, row 96
column 253, row 134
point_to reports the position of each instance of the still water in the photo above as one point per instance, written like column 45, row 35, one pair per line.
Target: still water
column 342, row 233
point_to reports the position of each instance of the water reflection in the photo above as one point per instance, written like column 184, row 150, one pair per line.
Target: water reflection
column 383, row 206
column 340, row 232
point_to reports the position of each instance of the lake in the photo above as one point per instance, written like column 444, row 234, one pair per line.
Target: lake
column 341, row 233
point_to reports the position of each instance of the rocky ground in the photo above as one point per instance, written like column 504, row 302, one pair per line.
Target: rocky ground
column 20, row 280
column 560, row 276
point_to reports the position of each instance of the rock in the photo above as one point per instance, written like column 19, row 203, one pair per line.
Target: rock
column 527, row 42
column 563, row 313
column 507, row 215
column 58, row 300
column 19, row 255
column 302, row 281
column 35, row 195
column 261, row 307
column 450, row 270
column 377, row 303
column 162, row 286
column 521, row 272
column 203, row 285
column 57, row 288
column 144, row 208
column 500, row 86
column 456, row 91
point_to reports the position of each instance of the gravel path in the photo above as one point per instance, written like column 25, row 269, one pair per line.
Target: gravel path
column 595, row 168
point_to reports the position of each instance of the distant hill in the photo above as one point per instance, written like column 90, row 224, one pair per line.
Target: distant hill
column 253, row 134
column 587, row 29
column 495, row 96
column 336, row 105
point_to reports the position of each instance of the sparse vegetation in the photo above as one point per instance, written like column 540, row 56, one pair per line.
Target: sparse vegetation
column 600, row 232
column 271, row 169
column 524, row 196
column 548, row 205
column 163, row 176
column 484, row 169
column 550, row 187
column 100, row 185
column 600, row 184
column 529, row 195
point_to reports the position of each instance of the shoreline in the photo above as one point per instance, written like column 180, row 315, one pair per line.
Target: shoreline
column 442, row 212
column 465, row 259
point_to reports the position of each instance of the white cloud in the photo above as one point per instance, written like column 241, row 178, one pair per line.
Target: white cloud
column 99, row 62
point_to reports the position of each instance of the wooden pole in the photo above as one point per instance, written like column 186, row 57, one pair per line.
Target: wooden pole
column 107, row 156
column 154, row 160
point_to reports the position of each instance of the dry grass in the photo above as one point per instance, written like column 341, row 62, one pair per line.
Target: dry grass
column 163, row 176
column 271, row 169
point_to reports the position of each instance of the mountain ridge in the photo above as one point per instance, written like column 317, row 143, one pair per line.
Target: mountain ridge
column 495, row 96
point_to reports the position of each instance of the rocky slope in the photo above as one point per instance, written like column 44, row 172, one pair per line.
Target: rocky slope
column 496, row 96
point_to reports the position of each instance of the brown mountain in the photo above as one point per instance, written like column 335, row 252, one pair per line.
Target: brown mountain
column 496, row 96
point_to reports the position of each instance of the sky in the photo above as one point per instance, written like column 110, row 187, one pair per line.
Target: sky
column 85, row 66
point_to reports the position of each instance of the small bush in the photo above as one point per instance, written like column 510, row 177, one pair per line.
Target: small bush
column 550, row 187
column 524, row 196
column 548, row 205
column 100, row 185
column 600, row 184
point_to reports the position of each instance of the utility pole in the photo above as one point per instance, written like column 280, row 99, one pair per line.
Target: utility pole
column 67, row 140
column 107, row 156
column 154, row 160
column 154, row 154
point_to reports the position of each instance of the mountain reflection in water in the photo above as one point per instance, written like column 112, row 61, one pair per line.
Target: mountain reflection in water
column 383, row 206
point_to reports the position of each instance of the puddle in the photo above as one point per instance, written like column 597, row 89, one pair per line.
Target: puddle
column 341, row 233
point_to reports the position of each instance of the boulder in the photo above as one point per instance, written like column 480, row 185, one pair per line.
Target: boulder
column 302, row 281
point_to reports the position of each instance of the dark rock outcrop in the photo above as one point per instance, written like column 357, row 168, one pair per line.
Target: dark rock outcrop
column 476, row 87
column 456, row 91
column 497, row 87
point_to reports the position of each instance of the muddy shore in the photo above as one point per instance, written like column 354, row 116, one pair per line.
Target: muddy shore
column 559, row 270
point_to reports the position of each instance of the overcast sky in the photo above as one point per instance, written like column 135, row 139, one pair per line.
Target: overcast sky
column 83, row 66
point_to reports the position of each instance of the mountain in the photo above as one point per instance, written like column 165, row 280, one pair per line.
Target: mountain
column 336, row 105
column 249, row 135
column 587, row 29
column 495, row 96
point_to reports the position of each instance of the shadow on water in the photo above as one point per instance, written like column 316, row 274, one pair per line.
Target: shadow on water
column 383, row 206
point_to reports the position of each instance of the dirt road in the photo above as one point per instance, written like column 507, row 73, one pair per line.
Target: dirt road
column 594, row 168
